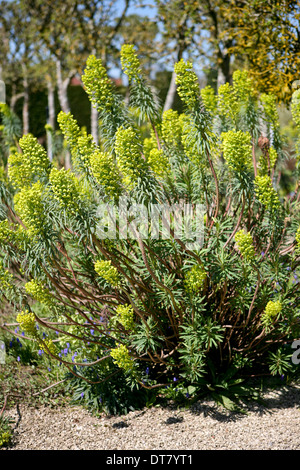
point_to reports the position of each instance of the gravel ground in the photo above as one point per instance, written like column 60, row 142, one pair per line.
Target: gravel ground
column 203, row 427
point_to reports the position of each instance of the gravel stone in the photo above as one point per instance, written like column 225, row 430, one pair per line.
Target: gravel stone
column 204, row 426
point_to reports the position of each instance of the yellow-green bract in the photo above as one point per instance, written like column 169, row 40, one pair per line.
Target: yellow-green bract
column 245, row 244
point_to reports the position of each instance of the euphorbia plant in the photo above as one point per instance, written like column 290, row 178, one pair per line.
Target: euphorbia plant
column 153, row 301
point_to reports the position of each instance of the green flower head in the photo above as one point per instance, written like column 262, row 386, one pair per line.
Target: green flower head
column 129, row 158
column 195, row 278
column 245, row 245
column 98, row 85
column 108, row 272
column 130, row 62
column 106, row 173
column 187, row 83
column 125, row 315
column 122, row 358
column 48, row 346
column 69, row 128
column 228, row 104
column 297, row 238
column 237, row 150
column 66, row 188
column 270, row 108
column 27, row 322
column 29, row 204
column 266, row 193
column 171, row 127
column 159, row 162
column 26, row 167
column 295, row 107
column 210, row 99
column 243, row 85
column 39, row 292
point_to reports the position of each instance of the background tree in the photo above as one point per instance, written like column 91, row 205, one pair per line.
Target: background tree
column 267, row 35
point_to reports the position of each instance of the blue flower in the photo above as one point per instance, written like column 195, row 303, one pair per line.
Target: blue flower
column 92, row 332
column 82, row 394
column 18, row 358
column 147, row 370
column 40, row 352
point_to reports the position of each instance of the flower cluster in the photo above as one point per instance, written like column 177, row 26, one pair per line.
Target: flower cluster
column 245, row 244
column 237, row 150
column 297, row 238
column 171, row 127
column 97, row 84
column 65, row 187
column 48, row 345
column 263, row 164
column 125, row 315
column 228, row 104
column 270, row 108
column 85, row 148
column 129, row 158
column 272, row 310
column 39, row 292
column 295, row 107
column 31, row 164
column 266, row 193
column 6, row 232
column 30, row 207
column 195, row 278
column 5, row 438
column 106, row 172
column 209, row 99
column 187, row 83
column 108, row 272
column 149, row 143
column 130, row 62
column 189, row 141
column 69, row 128
column 6, row 278
column 27, row 322
column 122, row 358
column 243, row 85
column 159, row 162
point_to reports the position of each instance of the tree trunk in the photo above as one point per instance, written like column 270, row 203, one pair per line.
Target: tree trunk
column 25, row 110
column 62, row 87
column 95, row 124
column 171, row 93
column 50, row 118
column 169, row 101
column 224, row 69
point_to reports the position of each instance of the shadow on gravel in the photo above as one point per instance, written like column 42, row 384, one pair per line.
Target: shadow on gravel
column 285, row 397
